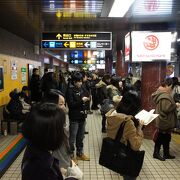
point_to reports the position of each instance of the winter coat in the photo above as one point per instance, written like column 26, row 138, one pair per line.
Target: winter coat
column 131, row 133
column 39, row 165
column 166, row 108
column 114, row 94
column 75, row 104
column 35, row 88
column 101, row 91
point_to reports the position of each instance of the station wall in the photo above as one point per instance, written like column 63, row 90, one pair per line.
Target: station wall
column 15, row 53
column 15, row 71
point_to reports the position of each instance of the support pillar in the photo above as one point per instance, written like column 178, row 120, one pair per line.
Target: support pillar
column 108, row 62
column 121, row 66
column 51, row 62
column 152, row 75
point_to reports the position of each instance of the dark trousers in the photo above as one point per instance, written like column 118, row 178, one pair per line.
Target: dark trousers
column 103, row 121
column 163, row 139
column 94, row 99
column 76, row 136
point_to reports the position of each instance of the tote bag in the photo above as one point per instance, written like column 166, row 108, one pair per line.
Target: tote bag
column 120, row 158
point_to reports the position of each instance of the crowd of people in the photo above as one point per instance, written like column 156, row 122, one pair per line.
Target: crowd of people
column 53, row 146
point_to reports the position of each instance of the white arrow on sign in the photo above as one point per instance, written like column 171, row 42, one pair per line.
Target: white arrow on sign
column 86, row 44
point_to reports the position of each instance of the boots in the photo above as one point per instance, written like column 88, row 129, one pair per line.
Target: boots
column 166, row 153
column 156, row 154
column 168, row 156
column 166, row 149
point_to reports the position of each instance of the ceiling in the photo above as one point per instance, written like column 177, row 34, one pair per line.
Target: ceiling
column 29, row 18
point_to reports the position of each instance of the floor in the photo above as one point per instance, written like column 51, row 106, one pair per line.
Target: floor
column 152, row 168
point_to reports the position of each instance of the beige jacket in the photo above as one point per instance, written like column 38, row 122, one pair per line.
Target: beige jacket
column 131, row 133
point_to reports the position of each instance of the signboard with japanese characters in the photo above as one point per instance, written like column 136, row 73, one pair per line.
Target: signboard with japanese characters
column 14, row 74
column 88, row 40
column 23, row 75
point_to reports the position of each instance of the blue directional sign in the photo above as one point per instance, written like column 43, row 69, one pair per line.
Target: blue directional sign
column 59, row 44
column 77, row 61
column 45, row 44
column 52, row 44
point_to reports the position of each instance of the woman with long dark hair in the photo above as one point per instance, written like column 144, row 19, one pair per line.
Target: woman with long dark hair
column 44, row 130
column 125, row 112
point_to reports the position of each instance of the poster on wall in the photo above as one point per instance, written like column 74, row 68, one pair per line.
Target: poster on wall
column 14, row 75
column 1, row 79
column 23, row 75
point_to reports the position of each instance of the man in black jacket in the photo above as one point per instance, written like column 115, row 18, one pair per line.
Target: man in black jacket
column 77, row 116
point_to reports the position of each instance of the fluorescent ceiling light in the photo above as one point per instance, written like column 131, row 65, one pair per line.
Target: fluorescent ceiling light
column 120, row 7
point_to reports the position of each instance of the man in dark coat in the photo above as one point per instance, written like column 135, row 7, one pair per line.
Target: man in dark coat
column 77, row 116
column 35, row 86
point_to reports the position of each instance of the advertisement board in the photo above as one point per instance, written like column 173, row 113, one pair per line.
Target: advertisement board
column 150, row 8
column 151, row 46
column 127, row 47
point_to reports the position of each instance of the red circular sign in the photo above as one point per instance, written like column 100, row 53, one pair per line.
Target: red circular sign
column 151, row 42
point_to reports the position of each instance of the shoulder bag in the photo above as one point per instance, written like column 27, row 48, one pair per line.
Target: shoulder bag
column 119, row 157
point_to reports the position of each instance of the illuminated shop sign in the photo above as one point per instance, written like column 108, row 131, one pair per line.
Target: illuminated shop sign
column 151, row 46
column 77, row 40
column 152, row 8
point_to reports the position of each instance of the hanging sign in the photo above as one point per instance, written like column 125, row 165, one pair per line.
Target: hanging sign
column 88, row 40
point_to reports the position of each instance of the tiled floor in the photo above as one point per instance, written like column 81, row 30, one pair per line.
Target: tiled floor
column 152, row 168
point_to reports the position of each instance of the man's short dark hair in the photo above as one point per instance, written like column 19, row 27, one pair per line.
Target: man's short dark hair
column 76, row 77
column 167, row 82
column 34, row 70
column 53, row 96
column 44, row 126
column 25, row 88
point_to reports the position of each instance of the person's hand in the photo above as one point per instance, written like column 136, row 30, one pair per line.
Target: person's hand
column 63, row 171
column 24, row 111
column 178, row 105
column 85, row 99
column 141, row 123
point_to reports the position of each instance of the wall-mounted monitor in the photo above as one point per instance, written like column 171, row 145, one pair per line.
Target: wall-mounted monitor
column 151, row 46
column 1, row 79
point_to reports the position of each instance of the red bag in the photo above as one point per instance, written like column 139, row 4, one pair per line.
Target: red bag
column 155, row 134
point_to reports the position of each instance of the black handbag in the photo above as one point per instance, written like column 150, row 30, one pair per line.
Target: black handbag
column 119, row 157
column 106, row 105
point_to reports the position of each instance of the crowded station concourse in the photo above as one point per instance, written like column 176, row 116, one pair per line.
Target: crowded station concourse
column 89, row 89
